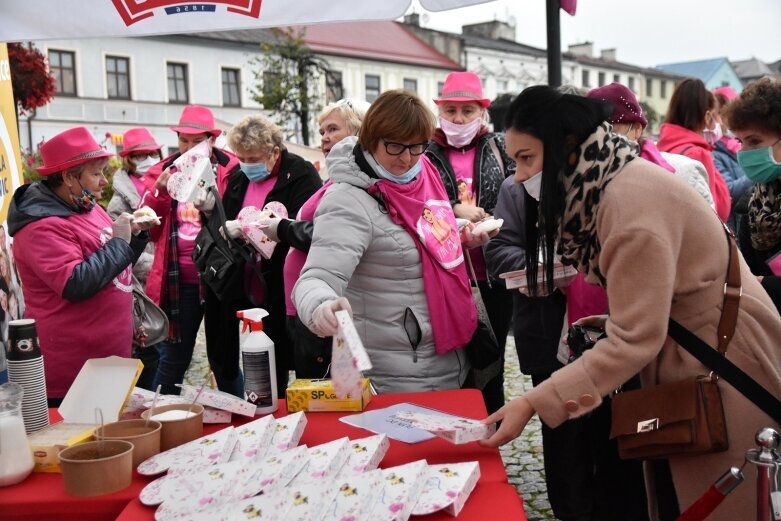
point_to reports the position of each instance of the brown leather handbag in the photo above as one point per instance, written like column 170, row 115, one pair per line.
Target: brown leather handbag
column 685, row 417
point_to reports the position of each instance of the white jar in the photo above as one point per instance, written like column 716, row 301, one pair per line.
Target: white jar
column 16, row 457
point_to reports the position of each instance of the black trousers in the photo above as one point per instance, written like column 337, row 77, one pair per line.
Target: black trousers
column 586, row 479
column 499, row 305
column 311, row 353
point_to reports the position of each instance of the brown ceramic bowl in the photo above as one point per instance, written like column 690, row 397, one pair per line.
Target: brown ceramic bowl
column 145, row 438
column 97, row 467
column 178, row 431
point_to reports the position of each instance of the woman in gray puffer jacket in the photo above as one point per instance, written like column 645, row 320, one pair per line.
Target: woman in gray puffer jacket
column 377, row 256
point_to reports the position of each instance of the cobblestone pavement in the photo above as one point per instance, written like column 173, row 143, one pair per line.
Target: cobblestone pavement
column 522, row 458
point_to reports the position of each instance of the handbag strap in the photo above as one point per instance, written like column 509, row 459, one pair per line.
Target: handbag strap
column 732, row 293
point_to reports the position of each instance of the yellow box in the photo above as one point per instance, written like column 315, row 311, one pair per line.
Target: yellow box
column 47, row 443
column 319, row 395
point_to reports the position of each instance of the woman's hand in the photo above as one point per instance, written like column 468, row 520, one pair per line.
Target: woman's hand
column 472, row 213
column 471, row 240
column 122, row 228
column 161, row 185
column 324, row 317
column 514, row 417
column 593, row 321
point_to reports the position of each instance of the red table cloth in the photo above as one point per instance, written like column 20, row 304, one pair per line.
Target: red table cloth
column 42, row 496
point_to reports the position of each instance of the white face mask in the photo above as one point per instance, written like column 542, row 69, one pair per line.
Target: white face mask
column 533, row 185
column 460, row 135
column 145, row 164
column 713, row 135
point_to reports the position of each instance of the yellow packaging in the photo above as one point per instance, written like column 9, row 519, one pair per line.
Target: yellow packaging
column 319, row 395
column 102, row 384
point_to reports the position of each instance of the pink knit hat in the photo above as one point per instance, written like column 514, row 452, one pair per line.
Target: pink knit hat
column 626, row 108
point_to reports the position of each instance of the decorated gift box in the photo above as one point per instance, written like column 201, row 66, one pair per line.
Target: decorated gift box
column 401, row 490
column 325, row 461
column 193, row 173
column 205, row 451
column 250, row 218
column 365, row 454
column 447, row 488
column 307, row 501
column 288, row 431
column 562, row 276
column 219, row 400
column 451, row 428
column 319, row 395
column 355, row 496
column 254, row 438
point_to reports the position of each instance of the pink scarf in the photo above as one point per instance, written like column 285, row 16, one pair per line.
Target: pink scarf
column 423, row 209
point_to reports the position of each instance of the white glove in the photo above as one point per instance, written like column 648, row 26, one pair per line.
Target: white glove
column 272, row 224
column 324, row 319
column 234, row 229
column 204, row 201
column 121, row 227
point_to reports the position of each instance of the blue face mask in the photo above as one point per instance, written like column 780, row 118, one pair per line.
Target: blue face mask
column 759, row 164
column 403, row 179
column 255, row 172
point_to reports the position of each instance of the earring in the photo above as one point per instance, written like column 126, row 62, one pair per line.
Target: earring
column 573, row 158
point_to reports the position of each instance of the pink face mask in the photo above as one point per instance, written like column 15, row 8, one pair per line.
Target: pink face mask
column 460, row 135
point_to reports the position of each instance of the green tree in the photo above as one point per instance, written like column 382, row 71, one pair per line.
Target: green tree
column 288, row 78
column 651, row 115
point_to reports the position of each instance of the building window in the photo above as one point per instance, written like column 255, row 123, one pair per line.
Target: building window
column 411, row 85
column 617, row 78
column 62, row 65
column 231, row 88
column 631, row 83
column 601, row 78
column 118, row 77
column 501, row 86
column 177, row 83
column 440, row 86
column 334, row 91
column 586, row 78
column 663, row 91
column 649, row 87
column 372, row 87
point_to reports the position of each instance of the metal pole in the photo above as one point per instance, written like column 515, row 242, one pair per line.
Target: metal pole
column 764, row 457
column 554, row 42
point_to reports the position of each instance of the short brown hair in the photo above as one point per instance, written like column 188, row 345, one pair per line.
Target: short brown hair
column 688, row 105
column 758, row 106
column 396, row 115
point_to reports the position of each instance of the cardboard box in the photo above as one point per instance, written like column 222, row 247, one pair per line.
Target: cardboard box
column 219, row 400
column 401, row 491
column 562, row 276
column 319, row 395
column 102, row 383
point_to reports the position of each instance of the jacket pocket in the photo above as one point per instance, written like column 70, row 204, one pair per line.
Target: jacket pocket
column 413, row 331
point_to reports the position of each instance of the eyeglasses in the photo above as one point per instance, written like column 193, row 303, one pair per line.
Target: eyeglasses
column 396, row 149
column 140, row 156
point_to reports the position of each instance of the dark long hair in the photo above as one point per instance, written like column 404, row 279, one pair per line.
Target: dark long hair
column 562, row 122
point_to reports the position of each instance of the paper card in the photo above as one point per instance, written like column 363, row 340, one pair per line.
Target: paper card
column 202, row 452
column 447, row 488
column 289, row 431
column 138, row 398
column 308, row 501
column 348, row 358
column 325, row 461
column 250, row 218
column 562, row 276
column 451, row 428
column 385, row 421
column 270, row 473
column 194, row 172
column 355, row 497
column 254, row 438
column 266, row 506
column 219, row 400
column 365, row 454
column 402, row 488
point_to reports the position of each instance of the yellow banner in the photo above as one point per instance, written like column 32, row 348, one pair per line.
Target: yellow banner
column 10, row 158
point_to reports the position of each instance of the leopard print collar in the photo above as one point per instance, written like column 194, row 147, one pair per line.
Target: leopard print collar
column 600, row 158
column 764, row 216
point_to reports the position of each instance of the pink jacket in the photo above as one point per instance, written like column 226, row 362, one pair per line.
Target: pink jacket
column 161, row 203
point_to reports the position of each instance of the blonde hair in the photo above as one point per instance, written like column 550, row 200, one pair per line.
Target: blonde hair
column 351, row 111
column 255, row 133
column 396, row 115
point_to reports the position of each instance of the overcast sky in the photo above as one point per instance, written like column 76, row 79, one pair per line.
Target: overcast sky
column 648, row 32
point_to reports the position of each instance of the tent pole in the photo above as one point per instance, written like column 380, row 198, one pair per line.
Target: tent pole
column 554, row 42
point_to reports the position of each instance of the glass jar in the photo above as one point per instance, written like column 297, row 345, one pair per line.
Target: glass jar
column 16, row 457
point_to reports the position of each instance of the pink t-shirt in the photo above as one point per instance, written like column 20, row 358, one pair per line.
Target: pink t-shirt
column 295, row 260
column 256, row 196
column 463, row 163
column 70, row 333
column 188, row 222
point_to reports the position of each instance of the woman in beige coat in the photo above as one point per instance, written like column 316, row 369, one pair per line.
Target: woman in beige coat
column 659, row 251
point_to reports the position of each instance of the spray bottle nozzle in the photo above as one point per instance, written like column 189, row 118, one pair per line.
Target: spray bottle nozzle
column 252, row 319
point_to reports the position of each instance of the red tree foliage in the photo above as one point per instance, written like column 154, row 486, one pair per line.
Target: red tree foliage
column 32, row 84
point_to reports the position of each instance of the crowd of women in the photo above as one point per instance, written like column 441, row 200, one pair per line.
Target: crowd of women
column 396, row 238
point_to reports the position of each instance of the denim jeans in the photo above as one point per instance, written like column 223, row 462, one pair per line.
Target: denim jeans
column 175, row 357
column 150, row 356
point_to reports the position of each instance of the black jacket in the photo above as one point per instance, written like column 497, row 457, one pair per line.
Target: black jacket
column 489, row 174
column 36, row 201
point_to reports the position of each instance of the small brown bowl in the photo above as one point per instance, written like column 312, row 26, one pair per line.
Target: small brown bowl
column 145, row 438
column 97, row 467
column 177, row 432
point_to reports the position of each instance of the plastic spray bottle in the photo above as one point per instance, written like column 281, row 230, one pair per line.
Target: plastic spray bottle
column 257, row 353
